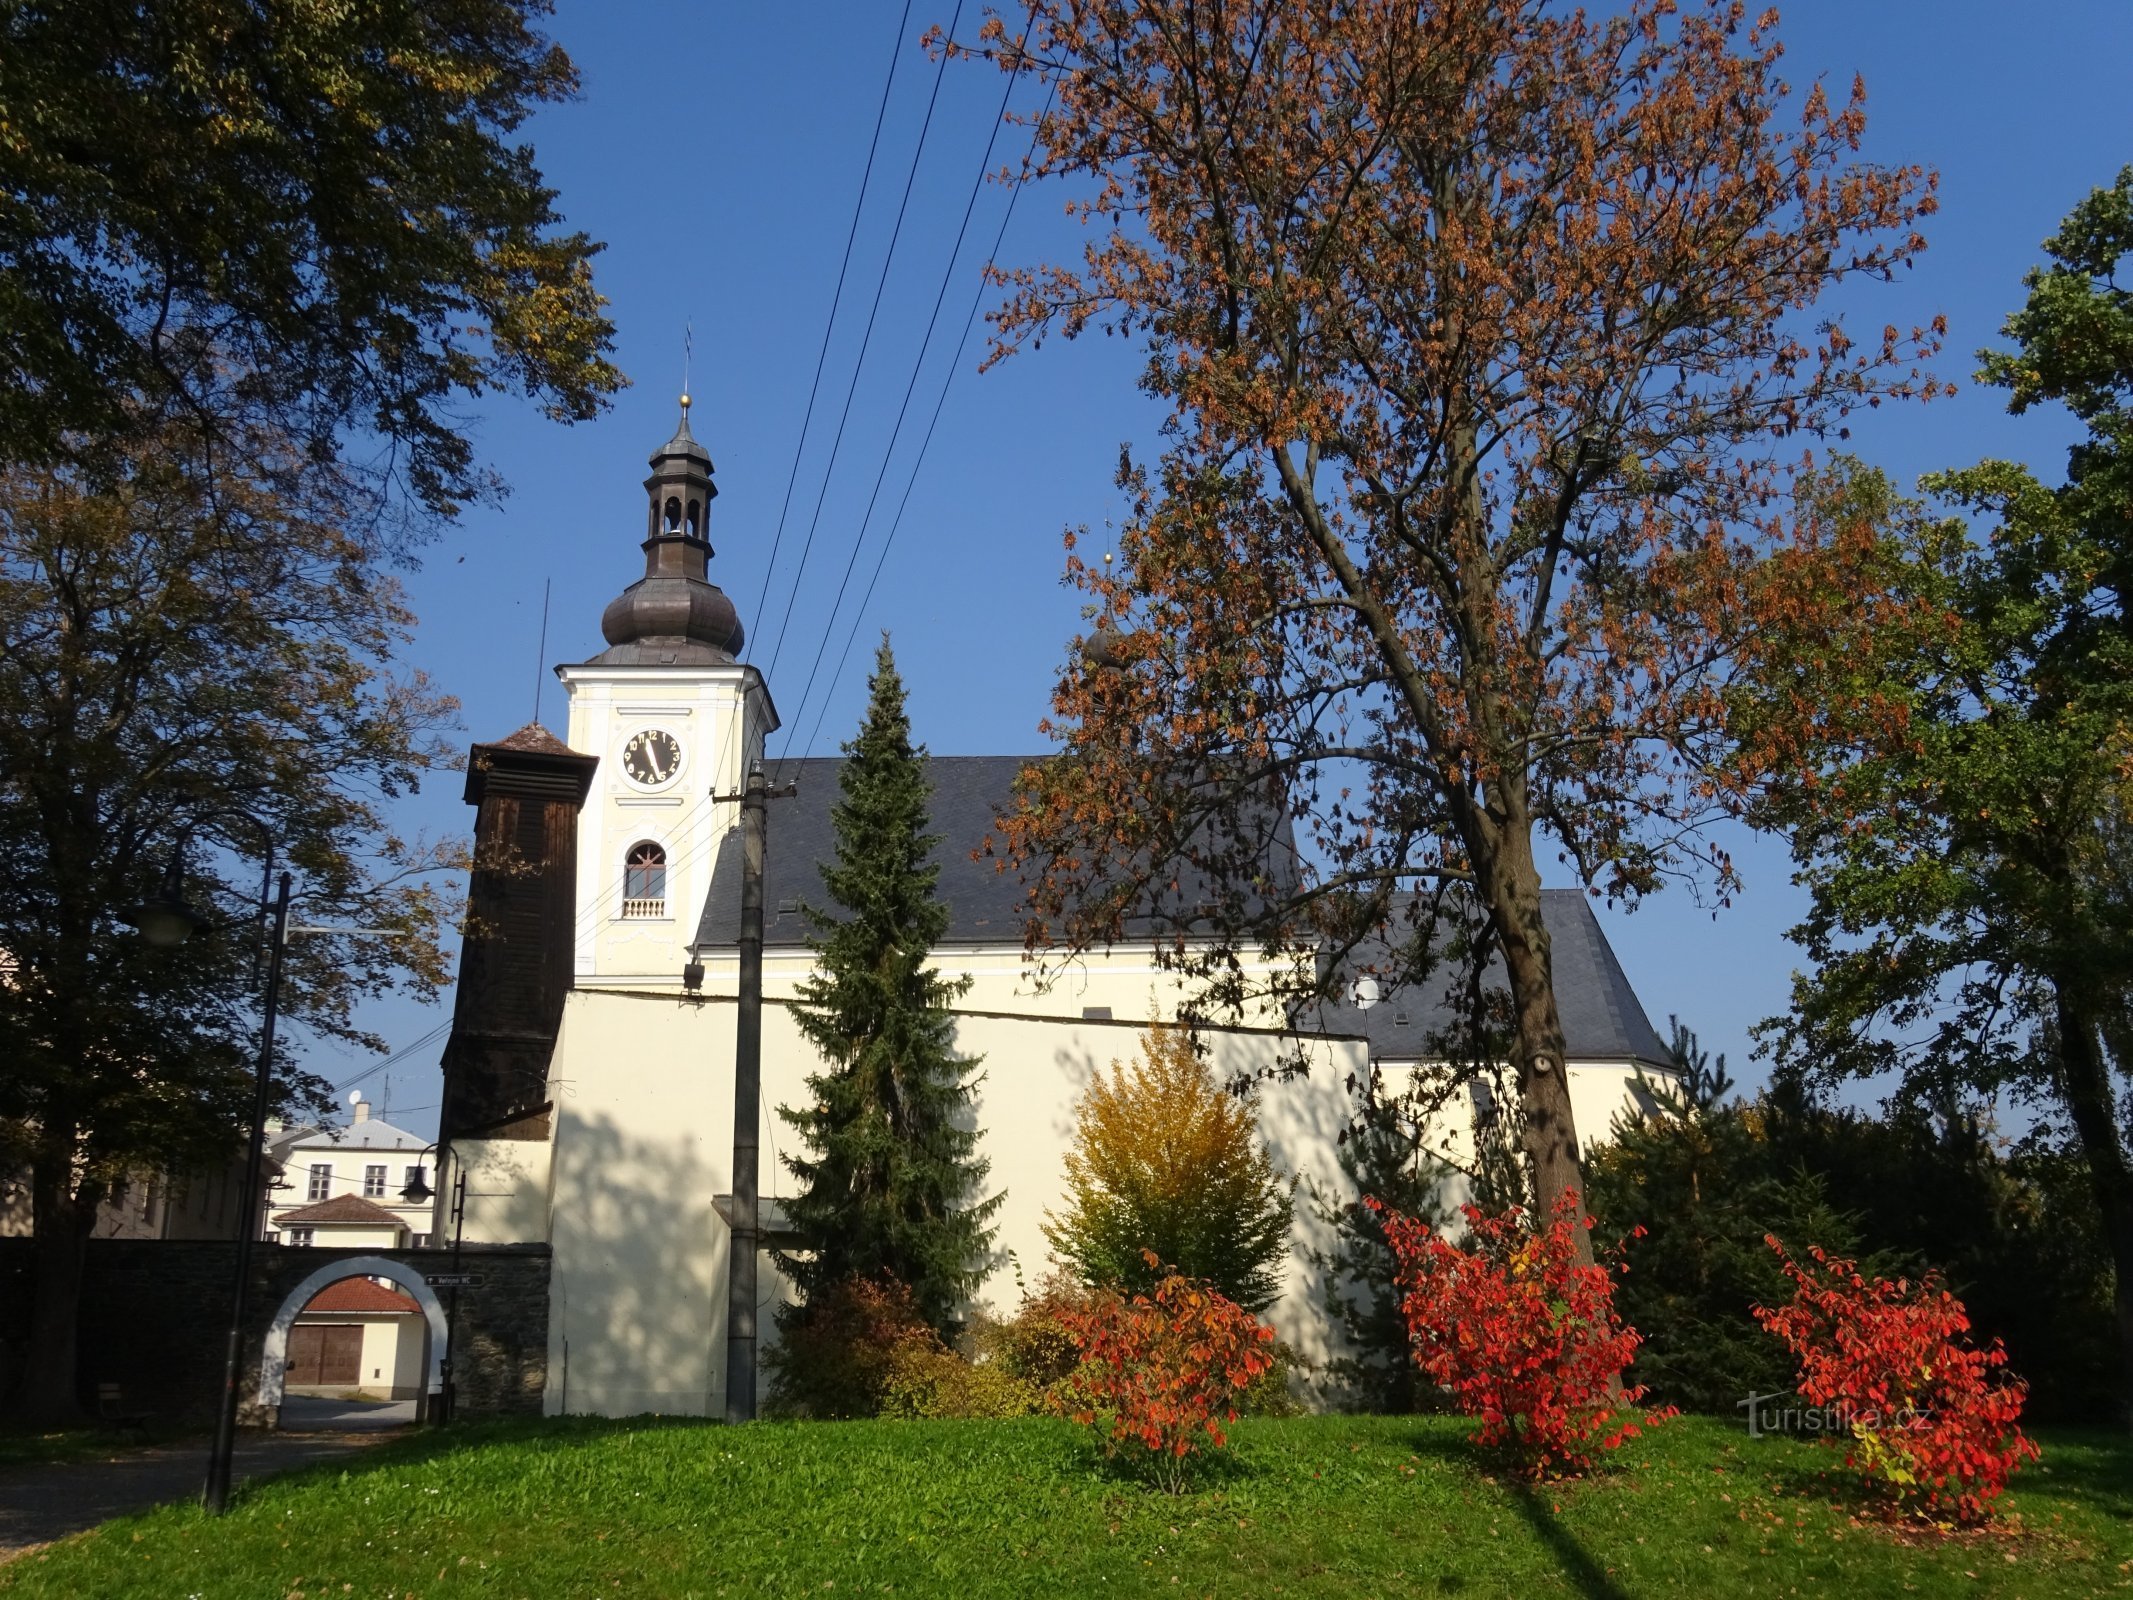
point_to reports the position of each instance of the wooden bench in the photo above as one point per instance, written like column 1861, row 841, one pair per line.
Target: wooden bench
column 112, row 1412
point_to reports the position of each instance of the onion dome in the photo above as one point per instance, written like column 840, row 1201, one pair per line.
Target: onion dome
column 674, row 615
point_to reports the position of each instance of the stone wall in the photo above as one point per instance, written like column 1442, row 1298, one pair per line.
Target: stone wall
column 155, row 1319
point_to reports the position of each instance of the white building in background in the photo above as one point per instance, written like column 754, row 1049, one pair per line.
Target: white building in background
column 589, row 1089
column 367, row 1160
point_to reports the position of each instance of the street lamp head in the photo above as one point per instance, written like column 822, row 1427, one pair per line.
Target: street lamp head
column 418, row 1191
column 164, row 919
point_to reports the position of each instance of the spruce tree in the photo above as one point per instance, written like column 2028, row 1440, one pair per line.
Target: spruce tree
column 890, row 1180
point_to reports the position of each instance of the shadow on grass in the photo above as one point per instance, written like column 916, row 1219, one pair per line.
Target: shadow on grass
column 1577, row 1564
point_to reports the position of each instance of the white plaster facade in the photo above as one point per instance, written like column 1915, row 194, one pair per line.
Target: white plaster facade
column 717, row 717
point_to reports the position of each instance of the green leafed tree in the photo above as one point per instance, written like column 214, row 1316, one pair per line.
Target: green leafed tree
column 1167, row 1161
column 318, row 215
column 191, row 663
column 891, row 1184
column 1960, row 755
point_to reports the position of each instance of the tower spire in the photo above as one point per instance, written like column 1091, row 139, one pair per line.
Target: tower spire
column 675, row 615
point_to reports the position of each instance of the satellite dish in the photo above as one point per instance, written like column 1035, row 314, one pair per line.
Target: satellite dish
column 355, row 1097
column 1367, row 993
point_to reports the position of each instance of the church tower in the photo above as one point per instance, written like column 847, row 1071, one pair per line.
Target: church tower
column 675, row 717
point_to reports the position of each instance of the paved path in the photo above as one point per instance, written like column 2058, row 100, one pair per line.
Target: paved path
column 41, row 1503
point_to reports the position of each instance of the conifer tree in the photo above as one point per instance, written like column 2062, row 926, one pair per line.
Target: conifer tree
column 891, row 1177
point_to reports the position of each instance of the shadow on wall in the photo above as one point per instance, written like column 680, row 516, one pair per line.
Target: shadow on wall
column 639, row 1279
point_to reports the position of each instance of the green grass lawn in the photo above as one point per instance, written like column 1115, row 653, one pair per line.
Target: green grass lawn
column 1343, row 1506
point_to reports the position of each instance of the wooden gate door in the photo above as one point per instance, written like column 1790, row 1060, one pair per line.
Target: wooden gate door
column 307, row 1344
column 321, row 1354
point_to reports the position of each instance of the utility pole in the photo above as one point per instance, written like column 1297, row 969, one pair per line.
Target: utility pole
column 746, row 1222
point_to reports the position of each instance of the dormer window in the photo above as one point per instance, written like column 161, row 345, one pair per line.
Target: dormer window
column 644, row 881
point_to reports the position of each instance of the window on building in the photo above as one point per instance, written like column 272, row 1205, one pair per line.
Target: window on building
column 149, row 1197
column 121, row 1190
column 418, row 1241
column 299, row 1237
column 374, row 1183
column 321, row 1184
column 644, row 881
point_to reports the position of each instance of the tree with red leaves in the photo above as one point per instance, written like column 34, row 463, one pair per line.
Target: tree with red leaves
column 1487, row 329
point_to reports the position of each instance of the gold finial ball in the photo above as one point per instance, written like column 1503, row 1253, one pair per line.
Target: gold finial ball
column 684, row 402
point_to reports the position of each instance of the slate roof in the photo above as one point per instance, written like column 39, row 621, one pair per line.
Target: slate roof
column 360, row 1295
column 533, row 739
column 342, row 1208
column 1602, row 1018
column 985, row 904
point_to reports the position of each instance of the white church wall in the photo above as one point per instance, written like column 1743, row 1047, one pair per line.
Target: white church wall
column 507, row 1190
column 643, row 1089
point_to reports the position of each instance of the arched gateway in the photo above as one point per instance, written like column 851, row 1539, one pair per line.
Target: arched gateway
column 274, row 1357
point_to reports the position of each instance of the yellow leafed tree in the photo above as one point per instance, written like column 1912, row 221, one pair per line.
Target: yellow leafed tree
column 1166, row 1160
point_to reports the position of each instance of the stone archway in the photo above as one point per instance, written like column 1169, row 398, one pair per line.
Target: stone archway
column 274, row 1358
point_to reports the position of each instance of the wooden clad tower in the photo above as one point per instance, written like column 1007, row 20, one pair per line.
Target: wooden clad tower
column 515, row 964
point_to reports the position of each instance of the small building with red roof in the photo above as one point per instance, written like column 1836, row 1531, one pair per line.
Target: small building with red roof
column 358, row 1337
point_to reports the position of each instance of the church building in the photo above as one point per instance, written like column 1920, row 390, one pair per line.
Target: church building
column 589, row 1075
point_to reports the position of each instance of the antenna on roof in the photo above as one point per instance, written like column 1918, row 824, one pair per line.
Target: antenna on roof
column 541, row 654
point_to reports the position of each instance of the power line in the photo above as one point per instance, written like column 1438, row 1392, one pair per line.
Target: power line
column 836, row 299
column 400, row 1054
column 941, row 400
column 866, row 338
column 925, row 344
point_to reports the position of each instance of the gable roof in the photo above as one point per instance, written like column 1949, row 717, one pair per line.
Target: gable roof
column 1603, row 1020
column 360, row 1295
column 986, row 905
column 372, row 1133
column 342, row 1208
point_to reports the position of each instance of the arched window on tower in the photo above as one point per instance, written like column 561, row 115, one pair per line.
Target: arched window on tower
column 670, row 515
column 644, row 881
column 696, row 516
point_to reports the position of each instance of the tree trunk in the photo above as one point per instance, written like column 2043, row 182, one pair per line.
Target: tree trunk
column 47, row 1392
column 1511, row 883
column 2095, row 1114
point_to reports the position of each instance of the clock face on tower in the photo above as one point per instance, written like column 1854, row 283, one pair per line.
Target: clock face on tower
column 651, row 758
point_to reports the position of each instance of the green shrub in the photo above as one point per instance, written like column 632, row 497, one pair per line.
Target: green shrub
column 861, row 1349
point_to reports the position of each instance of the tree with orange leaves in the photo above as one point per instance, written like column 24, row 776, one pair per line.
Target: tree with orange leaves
column 1486, row 329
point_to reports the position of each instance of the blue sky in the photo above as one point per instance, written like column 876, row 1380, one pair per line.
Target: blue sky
column 718, row 150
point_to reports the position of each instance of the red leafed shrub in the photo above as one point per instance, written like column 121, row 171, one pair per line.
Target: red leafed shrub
column 1523, row 1337
column 1161, row 1374
column 1932, row 1421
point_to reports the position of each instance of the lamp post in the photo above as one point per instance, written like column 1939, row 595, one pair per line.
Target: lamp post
column 166, row 921
column 416, row 1192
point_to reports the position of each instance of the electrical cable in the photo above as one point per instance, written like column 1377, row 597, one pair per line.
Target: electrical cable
column 925, row 346
column 836, row 299
column 866, row 338
column 897, row 522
